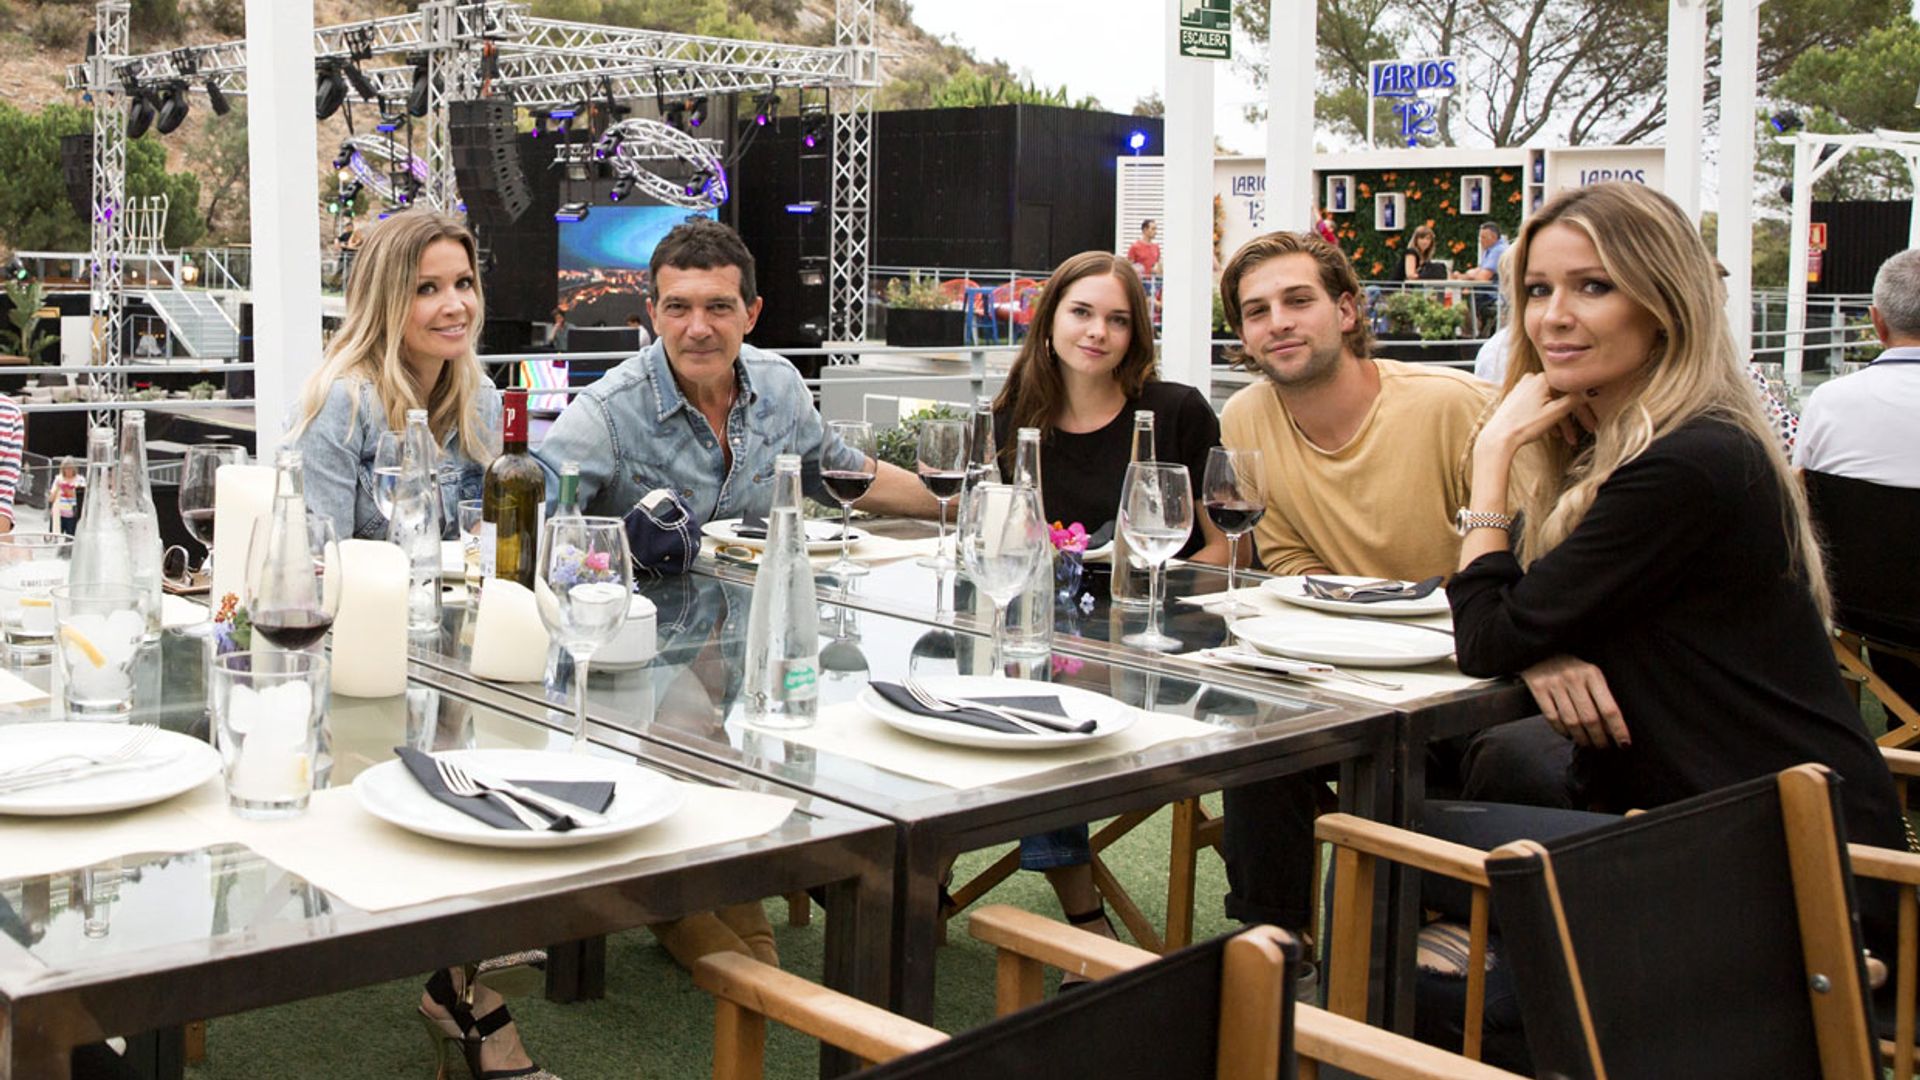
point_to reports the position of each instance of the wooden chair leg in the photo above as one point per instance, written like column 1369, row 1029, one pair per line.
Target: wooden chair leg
column 196, row 1042
column 799, row 908
column 1903, row 719
column 1018, row 982
column 739, row 1042
column 1130, row 914
column 1181, row 869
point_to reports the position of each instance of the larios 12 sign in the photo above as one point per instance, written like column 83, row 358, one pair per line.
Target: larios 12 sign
column 1415, row 87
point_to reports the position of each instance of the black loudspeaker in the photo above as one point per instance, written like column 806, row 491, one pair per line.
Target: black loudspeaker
column 76, row 168
column 486, row 159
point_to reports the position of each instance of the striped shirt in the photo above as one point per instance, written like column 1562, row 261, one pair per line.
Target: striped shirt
column 13, row 439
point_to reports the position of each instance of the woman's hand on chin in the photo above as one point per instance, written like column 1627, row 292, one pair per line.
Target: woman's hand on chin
column 1529, row 411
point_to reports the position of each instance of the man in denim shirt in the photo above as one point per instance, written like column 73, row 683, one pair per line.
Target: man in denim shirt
column 701, row 412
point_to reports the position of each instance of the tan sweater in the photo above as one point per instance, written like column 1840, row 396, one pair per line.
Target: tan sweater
column 1382, row 505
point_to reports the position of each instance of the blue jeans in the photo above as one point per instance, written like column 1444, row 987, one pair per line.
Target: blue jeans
column 1057, row 849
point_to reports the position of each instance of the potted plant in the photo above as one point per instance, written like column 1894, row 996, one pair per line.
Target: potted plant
column 25, row 341
column 201, row 391
column 918, row 314
column 1416, row 315
column 899, row 444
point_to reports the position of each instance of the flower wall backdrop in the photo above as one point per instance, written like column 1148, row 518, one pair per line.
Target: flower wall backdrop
column 1433, row 198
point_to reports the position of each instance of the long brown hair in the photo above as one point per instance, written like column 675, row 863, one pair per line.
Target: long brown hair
column 367, row 347
column 1655, row 256
column 1424, row 232
column 1034, row 393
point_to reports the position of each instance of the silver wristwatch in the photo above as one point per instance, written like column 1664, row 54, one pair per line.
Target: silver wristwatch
column 1465, row 521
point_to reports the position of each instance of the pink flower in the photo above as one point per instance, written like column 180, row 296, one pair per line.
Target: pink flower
column 1066, row 665
column 600, row 561
column 1068, row 538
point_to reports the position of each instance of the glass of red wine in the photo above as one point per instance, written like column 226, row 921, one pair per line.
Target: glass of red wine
column 848, row 486
column 197, row 474
column 1234, row 490
column 293, row 581
column 942, row 458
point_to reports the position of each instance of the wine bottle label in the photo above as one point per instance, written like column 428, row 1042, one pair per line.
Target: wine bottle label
column 799, row 681
column 489, row 556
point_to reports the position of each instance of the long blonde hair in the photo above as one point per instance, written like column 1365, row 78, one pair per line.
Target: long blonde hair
column 1655, row 257
column 366, row 349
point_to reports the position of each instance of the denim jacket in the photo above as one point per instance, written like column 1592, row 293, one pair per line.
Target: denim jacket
column 337, row 459
column 633, row 431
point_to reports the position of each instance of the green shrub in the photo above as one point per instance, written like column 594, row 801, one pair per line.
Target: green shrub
column 922, row 294
column 899, row 445
column 1414, row 313
column 57, row 27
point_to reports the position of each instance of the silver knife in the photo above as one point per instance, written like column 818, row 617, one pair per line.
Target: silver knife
column 552, row 807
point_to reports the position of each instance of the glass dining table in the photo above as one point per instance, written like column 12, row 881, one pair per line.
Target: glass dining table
column 1201, row 734
column 152, row 938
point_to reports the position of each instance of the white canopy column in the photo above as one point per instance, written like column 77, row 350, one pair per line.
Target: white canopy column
column 1186, row 256
column 1686, row 94
column 1290, row 118
column 1740, row 59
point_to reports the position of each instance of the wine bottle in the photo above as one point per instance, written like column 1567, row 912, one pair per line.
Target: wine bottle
column 783, row 625
column 982, row 462
column 100, row 553
column 569, row 502
column 1131, row 580
column 134, row 493
column 512, row 499
column 1029, row 632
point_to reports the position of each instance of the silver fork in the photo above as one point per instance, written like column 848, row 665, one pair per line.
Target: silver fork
column 136, row 741
column 933, row 703
column 461, row 784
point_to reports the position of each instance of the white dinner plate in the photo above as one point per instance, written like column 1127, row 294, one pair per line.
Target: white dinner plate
column 1101, row 554
column 1294, row 591
column 641, row 797
column 180, row 763
column 1111, row 716
column 823, row 537
column 1356, row 644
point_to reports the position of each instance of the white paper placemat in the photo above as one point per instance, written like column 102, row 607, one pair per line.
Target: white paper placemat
column 851, row 731
column 873, row 549
column 344, row 850
column 1415, row 683
column 16, row 692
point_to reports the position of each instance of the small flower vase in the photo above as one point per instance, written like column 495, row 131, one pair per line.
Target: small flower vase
column 1067, row 572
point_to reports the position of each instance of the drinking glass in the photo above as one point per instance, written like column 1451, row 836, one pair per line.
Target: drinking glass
column 198, row 472
column 942, row 458
column 293, row 581
column 1234, row 489
column 847, row 486
column 267, row 710
column 1156, row 516
column 386, row 469
column 99, row 629
column 583, row 584
column 1001, row 540
column 472, row 517
column 31, row 564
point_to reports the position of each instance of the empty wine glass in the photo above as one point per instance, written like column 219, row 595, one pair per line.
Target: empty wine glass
column 584, row 583
column 848, row 486
column 1000, row 541
column 942, row 457
column 1156, row 517
column 1234, row 489
column 386, row 469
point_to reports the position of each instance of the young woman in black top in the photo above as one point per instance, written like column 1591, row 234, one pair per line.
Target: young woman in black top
column 1667, row 605
column 1419, row 254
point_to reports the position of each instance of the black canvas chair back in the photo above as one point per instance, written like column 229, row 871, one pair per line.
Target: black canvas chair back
column 1868, row 531
column 1161, row 1020
column 1677, row 942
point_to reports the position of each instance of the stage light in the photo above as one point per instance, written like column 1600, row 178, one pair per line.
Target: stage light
column 1784, row 121
column 608, row 146
column 422, row 88
column 675, row 115
column 567, row 111
column 330, row 89
column 140, row 114
column 1137, row 141
column 764, row 106
column 622, row 188
column 698, row 183
column 571, row 213
column 810, row 206
column 217, row 98
column 173, row 110
column 345, row 157
column 361, row 84
column 350, row 194
column 389, row 123
column 697, row 111
column 813, row 126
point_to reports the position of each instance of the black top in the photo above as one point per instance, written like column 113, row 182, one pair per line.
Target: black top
column 1081, row 475
column 1677, row 585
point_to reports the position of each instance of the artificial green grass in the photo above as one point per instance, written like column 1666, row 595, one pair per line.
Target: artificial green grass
column 653, row 1022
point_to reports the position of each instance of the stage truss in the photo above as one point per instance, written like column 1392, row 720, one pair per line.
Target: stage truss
column 475, row 48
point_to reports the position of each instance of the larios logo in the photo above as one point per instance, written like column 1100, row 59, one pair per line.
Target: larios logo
column 1409, row 77
column 1601, row 176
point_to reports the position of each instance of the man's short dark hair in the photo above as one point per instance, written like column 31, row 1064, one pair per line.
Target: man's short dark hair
column 1491, row 226
column 702, row 244
column 1147, row 224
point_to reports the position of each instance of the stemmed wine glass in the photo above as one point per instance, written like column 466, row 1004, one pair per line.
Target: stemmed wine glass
column 1000, row 541
column 1234, row 490
column 848, row 486
column 942, row 457
column 1156, row 517
column 293, row 580
column 386, row 469
column 197, row 486
column 584, row 584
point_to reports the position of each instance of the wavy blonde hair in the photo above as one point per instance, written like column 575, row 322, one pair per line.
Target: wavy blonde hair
column 380, row 294
column 1655, row 257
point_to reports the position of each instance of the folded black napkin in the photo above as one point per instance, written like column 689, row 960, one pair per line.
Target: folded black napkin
column 754, row 527
column 1327, row 590
column 595, row 795
column 897, row 696
column 1100, row 536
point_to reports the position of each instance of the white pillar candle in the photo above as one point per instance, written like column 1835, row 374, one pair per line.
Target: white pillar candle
column 242, row 494
column 509, row 641
column 370, row 629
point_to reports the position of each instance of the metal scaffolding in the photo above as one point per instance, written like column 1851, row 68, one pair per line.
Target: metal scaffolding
column 466, row 49
column 107, row 274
